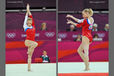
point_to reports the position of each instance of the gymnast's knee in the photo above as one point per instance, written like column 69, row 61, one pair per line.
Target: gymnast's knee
column 34, row 45
column 86, row 52
column 79, row 50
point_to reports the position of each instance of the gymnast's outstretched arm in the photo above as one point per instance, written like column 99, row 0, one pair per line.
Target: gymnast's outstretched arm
column 75, row 19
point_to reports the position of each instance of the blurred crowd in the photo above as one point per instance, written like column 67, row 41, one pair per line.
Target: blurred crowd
column 72, row 28
column 95, row 27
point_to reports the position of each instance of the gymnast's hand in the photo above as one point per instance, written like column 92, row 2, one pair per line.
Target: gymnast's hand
column 28, row 7
column 70, row 22
column 69, row 16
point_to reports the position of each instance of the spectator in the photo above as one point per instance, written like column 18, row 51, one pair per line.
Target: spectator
column 95, row 27
column 106, row 28
column 43, row 26
column 78, row 38
column 96, row 38
column 45, row 57
column 72, row 28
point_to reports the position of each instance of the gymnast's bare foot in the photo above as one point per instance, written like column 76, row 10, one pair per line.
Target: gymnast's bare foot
column 87, row 69
column 29, row 70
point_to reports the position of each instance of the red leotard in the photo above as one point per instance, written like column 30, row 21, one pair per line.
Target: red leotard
column 31, row 32
column 86, row 29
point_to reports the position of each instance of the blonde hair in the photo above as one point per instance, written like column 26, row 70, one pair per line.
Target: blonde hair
column 29, row 19
column 89, row 10
column 43, row 23
column 44, row 51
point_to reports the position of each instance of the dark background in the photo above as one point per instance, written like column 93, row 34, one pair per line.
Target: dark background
column 35, row 4
column 79, row 5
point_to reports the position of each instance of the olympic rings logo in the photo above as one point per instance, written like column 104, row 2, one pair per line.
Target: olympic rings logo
column 11, row 35
column 101, row 34
column 23, row 35
column 62, row 35
column 49, row 34
column 74, row 36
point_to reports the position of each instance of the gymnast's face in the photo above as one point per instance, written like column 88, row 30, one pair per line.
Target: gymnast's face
column 29, row 23
column 85, row 14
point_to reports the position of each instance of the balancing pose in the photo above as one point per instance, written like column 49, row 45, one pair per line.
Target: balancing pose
column 29, row 28
column 86, row 24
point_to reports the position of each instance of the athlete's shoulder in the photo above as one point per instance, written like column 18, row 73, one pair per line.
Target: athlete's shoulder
column 90, row 20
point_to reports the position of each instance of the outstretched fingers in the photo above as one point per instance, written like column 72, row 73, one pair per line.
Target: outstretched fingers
column 68, row 21
column 69, row 16
column 28, row 8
